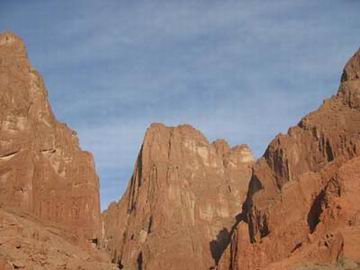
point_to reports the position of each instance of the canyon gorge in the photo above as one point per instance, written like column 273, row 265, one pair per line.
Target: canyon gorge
column 190, row 203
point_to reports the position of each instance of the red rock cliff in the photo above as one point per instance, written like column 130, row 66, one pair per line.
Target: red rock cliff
column 42, row 168
column 181, row 202
column 302, row 204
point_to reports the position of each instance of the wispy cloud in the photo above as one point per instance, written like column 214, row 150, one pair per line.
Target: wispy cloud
column 241, row 70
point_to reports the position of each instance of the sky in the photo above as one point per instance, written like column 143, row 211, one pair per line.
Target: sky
column 241, row 70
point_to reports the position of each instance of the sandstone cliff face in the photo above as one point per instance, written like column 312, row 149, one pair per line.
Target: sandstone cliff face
column 181, row 202
column 42, row 168
column 303, row 202
column 183, row 208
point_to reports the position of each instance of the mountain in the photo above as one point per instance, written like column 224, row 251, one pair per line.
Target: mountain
column 303, row 201
column 190, row 203
column 43, row 171
column 181, row 203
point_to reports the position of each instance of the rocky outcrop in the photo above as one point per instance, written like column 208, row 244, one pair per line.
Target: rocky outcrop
column 27, row 244
column 302, row 204
column 43, row 171
column 190, row 204
column 181, row 202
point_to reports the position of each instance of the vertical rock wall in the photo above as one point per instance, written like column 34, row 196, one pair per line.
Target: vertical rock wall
column 42, row 168
column 181, row 202
column 300, row 206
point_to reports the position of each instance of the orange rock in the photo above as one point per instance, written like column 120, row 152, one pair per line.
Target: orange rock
column 190, row 204
column 181, row 202
column 43, row 247
column 303, row 195
column 42, row 168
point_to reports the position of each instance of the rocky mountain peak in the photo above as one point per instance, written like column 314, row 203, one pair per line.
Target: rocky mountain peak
column 161, row 131
column 43, row 171
column 11, row 40
column 190, row 203
column 13, row 51
column 352, row 68
column 178, row 210
column 349, row 90
column 303, row 191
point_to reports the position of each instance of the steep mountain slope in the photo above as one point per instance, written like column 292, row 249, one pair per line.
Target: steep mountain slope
column 303, row 199
column 42, row 168
column 190, row 204
column 46, row 180
column 181, row 201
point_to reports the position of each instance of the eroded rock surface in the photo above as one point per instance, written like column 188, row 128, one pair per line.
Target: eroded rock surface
column 181, row 202
column 303, row 199
column 25, row 243
column 42, row 168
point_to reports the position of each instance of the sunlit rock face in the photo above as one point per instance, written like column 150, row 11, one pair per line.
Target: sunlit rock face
column 303, row 200
column 181, row 202
column 43, row 171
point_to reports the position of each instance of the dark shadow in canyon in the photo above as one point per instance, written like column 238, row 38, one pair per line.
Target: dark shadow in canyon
column 218, row 246
column 223, row 239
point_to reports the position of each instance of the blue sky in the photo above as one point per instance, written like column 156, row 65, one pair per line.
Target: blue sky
column 239, row 70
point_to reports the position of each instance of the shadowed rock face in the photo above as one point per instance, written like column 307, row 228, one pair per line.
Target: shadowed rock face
column 181, row 202
column 302, row 204
column 42, row 168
